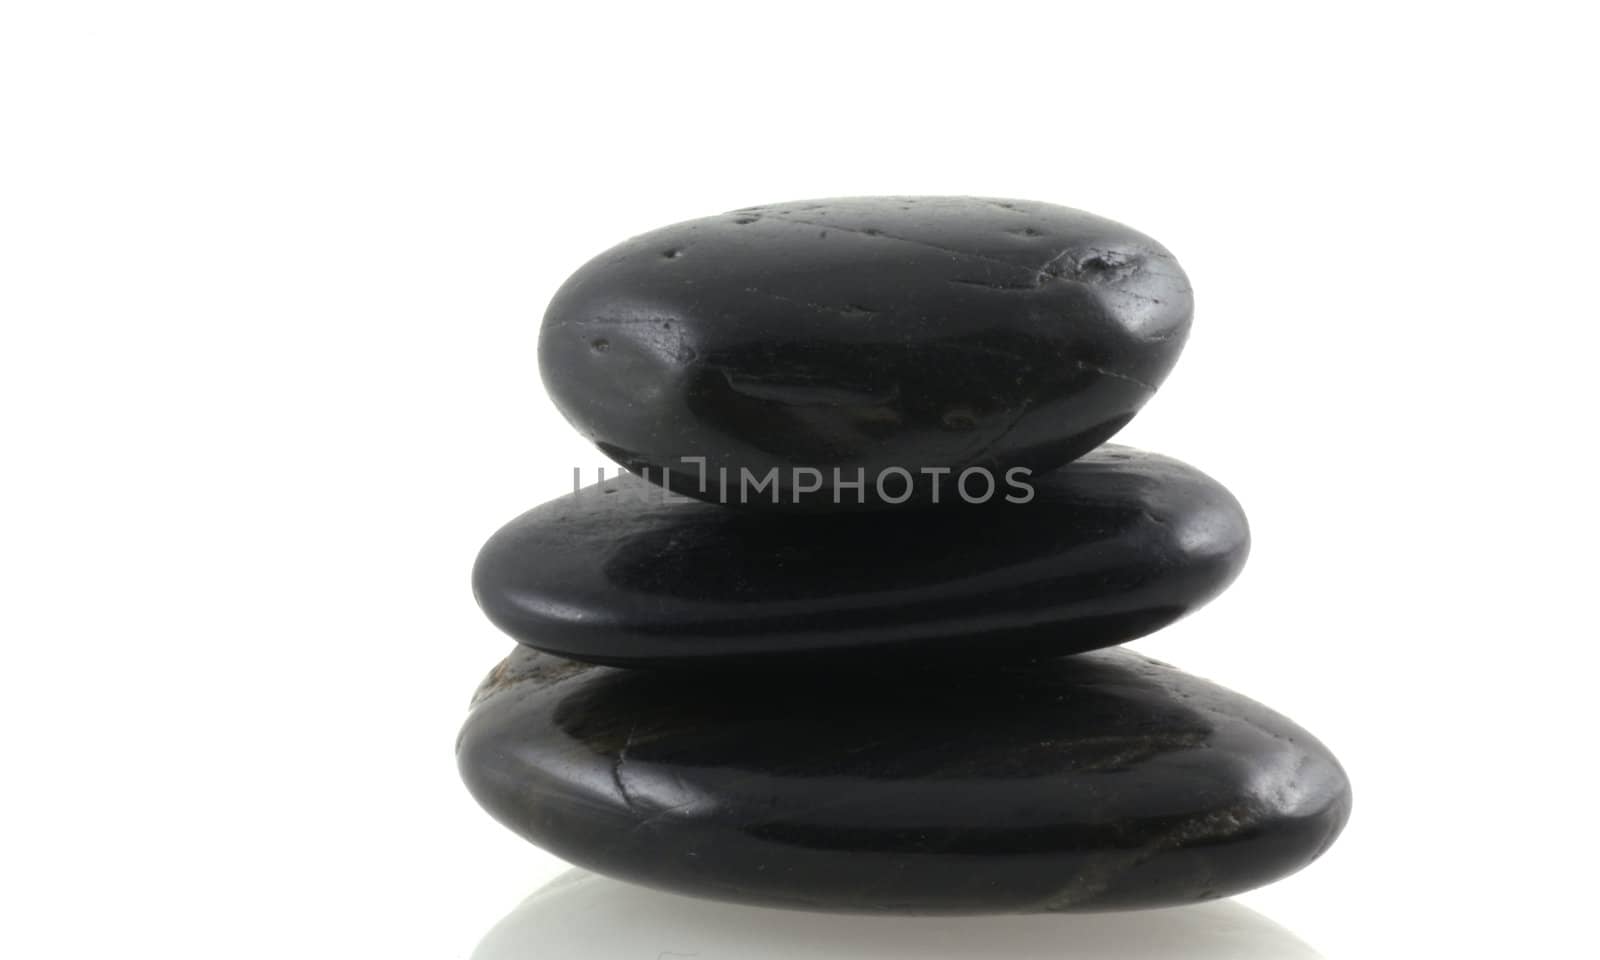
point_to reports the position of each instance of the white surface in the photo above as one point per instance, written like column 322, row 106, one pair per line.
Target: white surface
column 581, row 916
column 270, row 277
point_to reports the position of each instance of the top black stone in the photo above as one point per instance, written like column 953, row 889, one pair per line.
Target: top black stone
column 865, row 336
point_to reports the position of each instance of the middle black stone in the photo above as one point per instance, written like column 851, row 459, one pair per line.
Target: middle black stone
column 1111, row 547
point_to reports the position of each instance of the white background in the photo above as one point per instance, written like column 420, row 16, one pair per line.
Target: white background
column 270, row 282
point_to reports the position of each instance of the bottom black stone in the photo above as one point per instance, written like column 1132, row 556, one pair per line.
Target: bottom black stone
column 1100, row 781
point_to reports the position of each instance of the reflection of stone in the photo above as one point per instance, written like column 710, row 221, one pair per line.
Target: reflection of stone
column 582, row 916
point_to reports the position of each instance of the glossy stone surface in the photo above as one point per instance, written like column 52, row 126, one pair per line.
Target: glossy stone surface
column 863, row 334
column 1111, row 547
column 1101, row 781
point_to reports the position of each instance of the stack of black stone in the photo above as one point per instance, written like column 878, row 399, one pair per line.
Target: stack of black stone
column 832, row 650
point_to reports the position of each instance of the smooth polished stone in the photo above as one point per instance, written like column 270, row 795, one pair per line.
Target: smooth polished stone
column 1102, row 781
column 582, row 916
column 861, row 335
column 1110, row 547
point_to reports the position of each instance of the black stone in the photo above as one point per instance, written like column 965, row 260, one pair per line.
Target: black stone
column 861, row 335
column 1111, row 547
column 1101, row 781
